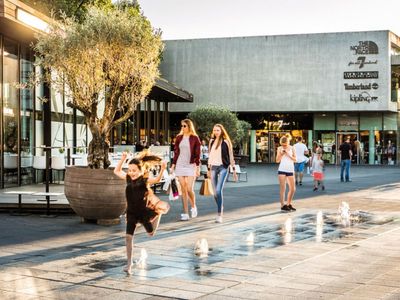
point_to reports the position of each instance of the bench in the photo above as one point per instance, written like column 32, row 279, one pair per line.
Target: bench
column 48, row 200
column 19, row 193
column 239, row 173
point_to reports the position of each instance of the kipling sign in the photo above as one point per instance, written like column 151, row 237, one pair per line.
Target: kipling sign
column 365, row 47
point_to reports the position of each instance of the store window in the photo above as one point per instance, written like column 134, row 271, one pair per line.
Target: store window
column 27, row 117
column 389, row 138
column 10, row 113
column 325, row 135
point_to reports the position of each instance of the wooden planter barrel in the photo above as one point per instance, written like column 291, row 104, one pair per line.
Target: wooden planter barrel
column 95, row 194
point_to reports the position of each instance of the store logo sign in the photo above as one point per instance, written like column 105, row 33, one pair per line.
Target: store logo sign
column 361, row 62
column 361, row 75
column 363, row 97
column 361, row 86
column 365, row 47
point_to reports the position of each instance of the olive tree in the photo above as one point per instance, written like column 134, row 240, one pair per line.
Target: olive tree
column 108, row 63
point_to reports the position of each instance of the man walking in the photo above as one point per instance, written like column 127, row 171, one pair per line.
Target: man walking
column 301, row 152
column 345, row 156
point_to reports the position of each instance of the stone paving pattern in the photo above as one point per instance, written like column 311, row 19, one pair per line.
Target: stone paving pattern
column 61, row 258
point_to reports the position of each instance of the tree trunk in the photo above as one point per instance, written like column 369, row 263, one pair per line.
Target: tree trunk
column 98, row 152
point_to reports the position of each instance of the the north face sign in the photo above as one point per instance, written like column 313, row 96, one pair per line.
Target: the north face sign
column 365, row 47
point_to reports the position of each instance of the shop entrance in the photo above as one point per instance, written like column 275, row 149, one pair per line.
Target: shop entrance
column 274, row 138
column 355, row 145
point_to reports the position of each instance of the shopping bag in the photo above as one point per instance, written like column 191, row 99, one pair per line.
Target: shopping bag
column 206, row 188
column 174, row 187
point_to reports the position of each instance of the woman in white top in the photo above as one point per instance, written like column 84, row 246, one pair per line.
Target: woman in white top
column 286, row 157
column 219, row 160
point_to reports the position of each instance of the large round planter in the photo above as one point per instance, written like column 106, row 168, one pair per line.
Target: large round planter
column 95, row 194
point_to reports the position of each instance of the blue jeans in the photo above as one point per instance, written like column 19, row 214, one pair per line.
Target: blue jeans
column 345, row 164
column 218, row 178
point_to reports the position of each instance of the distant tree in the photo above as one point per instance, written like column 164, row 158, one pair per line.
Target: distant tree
column 108, row 64
column 205, row 117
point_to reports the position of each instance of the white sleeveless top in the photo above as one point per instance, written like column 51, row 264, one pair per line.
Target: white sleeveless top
column 287, row 164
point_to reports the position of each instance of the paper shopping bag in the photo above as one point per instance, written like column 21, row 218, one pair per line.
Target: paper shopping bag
column 206, row 188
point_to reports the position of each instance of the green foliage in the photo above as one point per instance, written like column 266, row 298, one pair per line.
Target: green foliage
column 205, row 117
column 108, row 64
column 243, row 128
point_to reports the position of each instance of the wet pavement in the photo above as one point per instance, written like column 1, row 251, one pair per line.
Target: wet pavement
column 258, row 252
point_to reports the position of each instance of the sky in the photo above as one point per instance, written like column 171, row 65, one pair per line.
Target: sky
column 190, row 19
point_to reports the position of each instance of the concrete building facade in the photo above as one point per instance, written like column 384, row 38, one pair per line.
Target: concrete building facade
column 320, row 86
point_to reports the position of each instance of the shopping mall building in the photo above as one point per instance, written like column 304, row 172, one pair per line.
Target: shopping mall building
column 323, row 87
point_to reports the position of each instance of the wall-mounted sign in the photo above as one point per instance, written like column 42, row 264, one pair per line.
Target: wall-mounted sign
column 361, row 62
column 346, row 121
column 363, row 97
column 361, row 75
column 361, row 86
column 365, row 47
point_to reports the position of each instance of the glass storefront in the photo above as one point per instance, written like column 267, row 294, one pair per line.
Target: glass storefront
column 23, row 131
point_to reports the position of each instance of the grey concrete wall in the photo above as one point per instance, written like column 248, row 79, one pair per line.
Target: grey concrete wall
column 280, row 73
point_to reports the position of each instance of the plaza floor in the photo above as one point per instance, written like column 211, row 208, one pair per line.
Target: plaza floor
column 256, row 253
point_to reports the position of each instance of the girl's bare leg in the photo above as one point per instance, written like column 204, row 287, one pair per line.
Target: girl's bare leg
column 190, row 190
column 184, row 188
column 129, row 248
column 292, row 189
column 282, row 188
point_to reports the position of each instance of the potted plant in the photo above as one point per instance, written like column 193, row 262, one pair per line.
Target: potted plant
column 108, row 63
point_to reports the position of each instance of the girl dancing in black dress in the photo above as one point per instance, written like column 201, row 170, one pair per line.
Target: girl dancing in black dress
column 137, row 183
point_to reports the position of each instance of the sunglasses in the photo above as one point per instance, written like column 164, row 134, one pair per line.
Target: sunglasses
column 184, row 126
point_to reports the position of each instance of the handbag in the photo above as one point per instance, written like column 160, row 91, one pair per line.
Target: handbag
column 206, row 188
column 154, row 203
column 174, row 188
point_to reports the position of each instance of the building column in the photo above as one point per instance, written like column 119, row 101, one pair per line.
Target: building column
column 253, row 148
column 371, row 157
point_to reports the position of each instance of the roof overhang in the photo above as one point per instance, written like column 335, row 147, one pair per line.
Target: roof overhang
column 17, row 21
column 166, row 91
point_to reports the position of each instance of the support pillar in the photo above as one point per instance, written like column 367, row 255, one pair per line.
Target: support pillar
column 371, row 156
column 253, row 146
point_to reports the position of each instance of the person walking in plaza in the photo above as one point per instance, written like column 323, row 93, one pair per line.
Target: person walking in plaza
column 137, row 185
column 186, row 165
column 301, row 152
column 318, row 170
column 286, row 156
column 345, row 160
column 219, row 160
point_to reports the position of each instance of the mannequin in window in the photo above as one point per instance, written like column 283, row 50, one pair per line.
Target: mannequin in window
column 378, row 151
column 390, row 149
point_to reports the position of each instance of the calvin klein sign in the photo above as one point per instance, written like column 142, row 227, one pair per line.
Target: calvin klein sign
column 361, row 75
column 365, row 47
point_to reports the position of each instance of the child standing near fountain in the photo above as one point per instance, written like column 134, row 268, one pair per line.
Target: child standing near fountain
column 137, row 184
column 318, row 170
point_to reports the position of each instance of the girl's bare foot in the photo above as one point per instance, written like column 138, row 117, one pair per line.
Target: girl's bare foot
column 128, row 269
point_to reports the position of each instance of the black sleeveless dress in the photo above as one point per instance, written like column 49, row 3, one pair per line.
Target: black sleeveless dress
column 137, row 212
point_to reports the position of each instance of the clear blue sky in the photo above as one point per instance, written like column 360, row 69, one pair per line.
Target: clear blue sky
column 185, row 19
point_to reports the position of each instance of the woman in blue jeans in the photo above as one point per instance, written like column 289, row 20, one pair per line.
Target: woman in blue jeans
column 219, row 159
